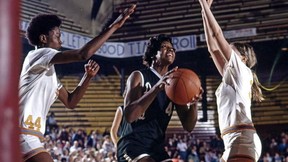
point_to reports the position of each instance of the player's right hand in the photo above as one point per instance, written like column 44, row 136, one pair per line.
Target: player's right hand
column 163, row 81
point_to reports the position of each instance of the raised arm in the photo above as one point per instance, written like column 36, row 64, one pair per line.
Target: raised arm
column 93, row 45
column 70, row 100
column 216, row 31
column 213, row 48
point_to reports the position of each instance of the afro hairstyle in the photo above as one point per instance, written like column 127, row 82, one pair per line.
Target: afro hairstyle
column 41, row 24
column 153, row 46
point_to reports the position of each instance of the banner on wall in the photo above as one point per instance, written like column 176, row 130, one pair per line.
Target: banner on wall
column 119, row 49
column 247, row 32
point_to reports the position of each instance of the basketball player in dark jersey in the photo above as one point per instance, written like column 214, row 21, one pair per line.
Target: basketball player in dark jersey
column 147, row 109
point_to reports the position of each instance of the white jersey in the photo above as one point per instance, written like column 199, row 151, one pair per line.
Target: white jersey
column 234, row 111
column 234, row 94
column 38, row 90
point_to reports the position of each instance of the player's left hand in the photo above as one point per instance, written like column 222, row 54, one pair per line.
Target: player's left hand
column 124, row 16
column 91, row 68
column 163, row 81
column 196, row 98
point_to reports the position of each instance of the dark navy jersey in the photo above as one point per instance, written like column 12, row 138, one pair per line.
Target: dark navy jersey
column 146, row 135
column 123, row 126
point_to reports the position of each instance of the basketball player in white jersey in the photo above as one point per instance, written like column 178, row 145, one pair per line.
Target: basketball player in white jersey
column 239, row 85
column 39, row 86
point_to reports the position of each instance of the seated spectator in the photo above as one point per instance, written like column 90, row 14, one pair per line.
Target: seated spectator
column 267, row 157
column 182, row 149
column 193, row 155
column 91, row 140
column 74, row 147
column 51, row 122
column 277, row 157
column 283, row 145
column 107, row 145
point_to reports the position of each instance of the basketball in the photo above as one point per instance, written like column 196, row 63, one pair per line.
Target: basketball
column 183, row 86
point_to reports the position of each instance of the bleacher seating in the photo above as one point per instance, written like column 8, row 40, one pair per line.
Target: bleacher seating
column 274, row 109
column 183, row 17
column 96, row 109
column 30, row 8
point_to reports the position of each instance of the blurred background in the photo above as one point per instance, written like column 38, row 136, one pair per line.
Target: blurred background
column 261, row 23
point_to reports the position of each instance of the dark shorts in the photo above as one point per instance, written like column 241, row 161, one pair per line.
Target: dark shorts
column 133, row 152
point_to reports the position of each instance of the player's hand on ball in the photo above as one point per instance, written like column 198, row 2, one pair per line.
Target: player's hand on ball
column 163, row 81
column 91, row 68
column 196, row 98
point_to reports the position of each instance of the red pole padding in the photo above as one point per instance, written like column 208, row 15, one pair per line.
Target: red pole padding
column 9, row 76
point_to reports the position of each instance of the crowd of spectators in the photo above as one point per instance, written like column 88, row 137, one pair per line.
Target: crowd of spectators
column 68, row 145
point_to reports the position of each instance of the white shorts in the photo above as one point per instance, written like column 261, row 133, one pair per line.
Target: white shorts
column 244, row 142
column 30, row 146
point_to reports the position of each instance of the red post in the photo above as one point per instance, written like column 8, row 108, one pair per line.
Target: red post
column 9, row 77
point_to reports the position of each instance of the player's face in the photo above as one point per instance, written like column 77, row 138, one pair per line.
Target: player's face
column 166, row 54
column 53, row 39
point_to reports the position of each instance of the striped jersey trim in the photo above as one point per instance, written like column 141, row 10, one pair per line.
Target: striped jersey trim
column 241, row 157
column 236, row 128
column 32, row 132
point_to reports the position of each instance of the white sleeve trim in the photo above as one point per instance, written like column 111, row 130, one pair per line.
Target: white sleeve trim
column 142, row 77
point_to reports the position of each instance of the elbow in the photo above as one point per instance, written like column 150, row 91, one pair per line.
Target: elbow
column 71, row 105
column 84, row 55
column 112, row 134
column 129, row 115
column 189, row 128
column 211, row 49
column 129, row 119
column 217, row 34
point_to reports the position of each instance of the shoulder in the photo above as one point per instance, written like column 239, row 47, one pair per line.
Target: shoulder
column 135, row 77
column 44, row 51
column 121, row 108
column 235, row 58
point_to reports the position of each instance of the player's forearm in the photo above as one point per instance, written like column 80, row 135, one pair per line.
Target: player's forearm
column 192, row 117
column 210, row 19
column 79, row 91
column 114, row 139
column 188, row 116
column 211, row 43
column 93, row 45
column 134, row 110
column 215, row 30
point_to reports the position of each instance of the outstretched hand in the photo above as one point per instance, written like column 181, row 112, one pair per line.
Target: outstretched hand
column 123, row 17
column 91, row 68
column 209, row 2
column 163, row 81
